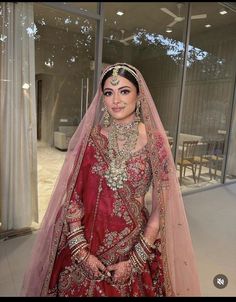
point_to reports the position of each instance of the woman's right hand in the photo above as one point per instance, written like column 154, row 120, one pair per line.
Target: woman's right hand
column 94, row 267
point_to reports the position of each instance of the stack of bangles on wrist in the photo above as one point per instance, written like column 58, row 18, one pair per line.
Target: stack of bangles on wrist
column 141, row 253
column 78, row 244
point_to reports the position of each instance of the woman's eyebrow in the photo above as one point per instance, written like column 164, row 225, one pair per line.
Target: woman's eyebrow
column 108, row 89
column 124, row 87
column 118, row 88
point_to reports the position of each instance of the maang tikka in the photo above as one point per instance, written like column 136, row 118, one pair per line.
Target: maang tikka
column 114, row 79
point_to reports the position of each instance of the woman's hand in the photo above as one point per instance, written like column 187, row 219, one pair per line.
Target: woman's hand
column 122, row 271
column 94, row 267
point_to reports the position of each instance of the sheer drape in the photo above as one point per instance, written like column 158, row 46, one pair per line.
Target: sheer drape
column 18, row 172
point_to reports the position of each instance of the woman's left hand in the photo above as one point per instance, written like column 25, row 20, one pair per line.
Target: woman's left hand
column 122, row 271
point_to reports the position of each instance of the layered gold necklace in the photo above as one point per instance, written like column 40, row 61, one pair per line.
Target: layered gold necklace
column 116, row 174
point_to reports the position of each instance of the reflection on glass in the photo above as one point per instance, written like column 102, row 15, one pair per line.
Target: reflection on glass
column 64, row 50
column 64, row 45
column 157, row 48
column 208, row 94
column 84, row 6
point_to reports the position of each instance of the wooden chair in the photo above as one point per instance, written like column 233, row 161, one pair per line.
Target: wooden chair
column 204, row 157
column 187, row 158
column 210, row 156
column 218, row 156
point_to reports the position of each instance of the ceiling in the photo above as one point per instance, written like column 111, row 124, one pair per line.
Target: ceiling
column 148, row 16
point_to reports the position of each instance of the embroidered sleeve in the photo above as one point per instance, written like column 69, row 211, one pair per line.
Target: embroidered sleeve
column 75, row 210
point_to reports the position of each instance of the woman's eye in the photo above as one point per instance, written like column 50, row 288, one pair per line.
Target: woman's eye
column 107, row 93
column 125, row 91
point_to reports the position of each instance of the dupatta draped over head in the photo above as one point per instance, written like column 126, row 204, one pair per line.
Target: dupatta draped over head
column 179, row 268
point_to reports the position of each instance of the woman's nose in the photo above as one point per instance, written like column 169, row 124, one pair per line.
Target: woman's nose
column 116, row 98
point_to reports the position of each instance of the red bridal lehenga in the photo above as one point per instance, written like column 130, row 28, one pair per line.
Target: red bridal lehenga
column 112, row 221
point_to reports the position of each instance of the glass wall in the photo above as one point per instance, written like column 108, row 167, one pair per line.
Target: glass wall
column 208, row 95
column 230, row 172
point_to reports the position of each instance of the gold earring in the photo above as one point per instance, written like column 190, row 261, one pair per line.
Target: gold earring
column 137, row 112
column 106, row 118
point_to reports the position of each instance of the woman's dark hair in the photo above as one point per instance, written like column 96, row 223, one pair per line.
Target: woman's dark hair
column 123, row 73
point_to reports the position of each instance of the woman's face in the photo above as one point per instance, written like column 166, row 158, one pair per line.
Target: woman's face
column 120, row 99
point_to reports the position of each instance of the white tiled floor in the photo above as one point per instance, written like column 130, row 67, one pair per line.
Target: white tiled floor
column 212, row 220
column 14, row 255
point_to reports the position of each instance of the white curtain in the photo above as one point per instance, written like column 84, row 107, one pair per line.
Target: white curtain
column 18, row 157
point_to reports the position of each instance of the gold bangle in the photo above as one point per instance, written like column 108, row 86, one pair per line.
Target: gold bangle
column 138, row 261
column 136, row 264
column 146, row 242
column 77, row 249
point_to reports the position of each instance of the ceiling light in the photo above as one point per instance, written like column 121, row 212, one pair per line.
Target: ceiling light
column 169, row 30
column 26, row 86
column 119, row 13
column 208, row 25
column 223, row 11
